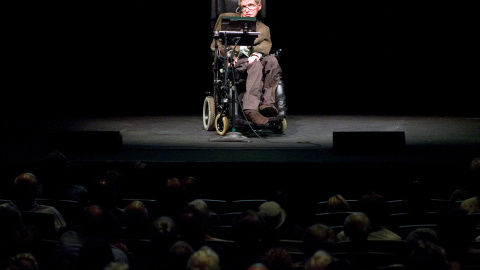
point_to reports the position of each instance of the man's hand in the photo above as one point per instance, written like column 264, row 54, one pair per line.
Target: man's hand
column 253, row 58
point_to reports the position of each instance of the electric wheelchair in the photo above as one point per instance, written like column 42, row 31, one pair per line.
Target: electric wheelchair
column 222, row 107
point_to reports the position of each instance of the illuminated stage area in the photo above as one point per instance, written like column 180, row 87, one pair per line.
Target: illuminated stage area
column 308, row 138
column 435, row 148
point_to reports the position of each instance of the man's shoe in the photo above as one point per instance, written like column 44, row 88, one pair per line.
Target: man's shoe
column 256, row 118
column 268, row 110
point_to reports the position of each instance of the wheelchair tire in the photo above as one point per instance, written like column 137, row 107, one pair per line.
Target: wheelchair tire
column 279, row 127
column 209, row 113
column 221, row 124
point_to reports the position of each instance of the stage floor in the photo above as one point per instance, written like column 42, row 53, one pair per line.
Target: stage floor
column 308, row 138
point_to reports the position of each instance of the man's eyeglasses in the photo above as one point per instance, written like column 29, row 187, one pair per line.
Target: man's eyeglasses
column 247, row 7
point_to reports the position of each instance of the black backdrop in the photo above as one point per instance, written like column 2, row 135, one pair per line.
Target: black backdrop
column 139, row 57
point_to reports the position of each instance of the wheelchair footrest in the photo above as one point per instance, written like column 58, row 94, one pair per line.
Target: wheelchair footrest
column 277, row 118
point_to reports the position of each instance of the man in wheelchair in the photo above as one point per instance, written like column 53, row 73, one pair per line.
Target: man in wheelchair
column 260, row 67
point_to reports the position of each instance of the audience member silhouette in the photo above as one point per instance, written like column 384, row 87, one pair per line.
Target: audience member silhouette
column 106, row 191
column 472, row 204
column 95, row 254
column 172, row 198
column 204, row 259
column 22, row 261
column 11, row 221
column 277, row 258
column 96, row 223
column 374, row 206
column 248, row 231
column 136, row 220
column 337, row 203
column 356, row 229
column 422, row 246
column 455, row 231
column 178, row 255
column 318, row 237
column 193, row 226
column 117, row 266
column 421, row 236
column 294, row 225
column 274, row 217
column 56, row 180
column 25, row 193
column 427, row 257
column 164, row 233
column 257, row 266
column 320, row 260
column 27, row 240
column 202, row 207
column 343, row 264
column 163, row 236
column 192, row 187
column 139, row 177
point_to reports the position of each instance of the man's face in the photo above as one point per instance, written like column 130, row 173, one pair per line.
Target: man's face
column 250, row 8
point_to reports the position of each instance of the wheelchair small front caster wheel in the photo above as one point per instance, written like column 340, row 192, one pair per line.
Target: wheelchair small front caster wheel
column 279, row 127
column 209, row 113
column 221, row 124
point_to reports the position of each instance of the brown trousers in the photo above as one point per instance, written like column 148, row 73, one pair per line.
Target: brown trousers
column 259, row 92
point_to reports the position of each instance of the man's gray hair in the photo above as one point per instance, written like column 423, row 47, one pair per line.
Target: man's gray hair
column 256, row 1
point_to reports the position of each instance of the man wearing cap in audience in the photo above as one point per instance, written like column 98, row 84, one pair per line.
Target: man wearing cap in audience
column 274, row 216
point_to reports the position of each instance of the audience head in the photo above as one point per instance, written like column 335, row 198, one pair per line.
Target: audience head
column 22, row 261
column 164, row 231
column 357, row 227
column 178, row 255
column 11, row 219
column 136, row 216
column 277, row 259
column 95, row 254
column 475, row 172
column 248, row 227
column 319, row 261
column 117, row 266
column 319, row 237
column 96, row 221
column 475, row 165
column 192, row 186
column 337, row 203
column 173, row 198
column 273, row 214
column 374, row 206
column 55, row 167
column 201, row 206
column 192, row 225
column 204, row 259
column 427, row 257
column 421, row 237
column 25, row 188
column 257, row 266
column 107, row 189
column 455, row 230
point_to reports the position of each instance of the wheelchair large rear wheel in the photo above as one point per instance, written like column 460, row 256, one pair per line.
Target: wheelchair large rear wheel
column 279, row 127
column 221, row 124
column 209, row 113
